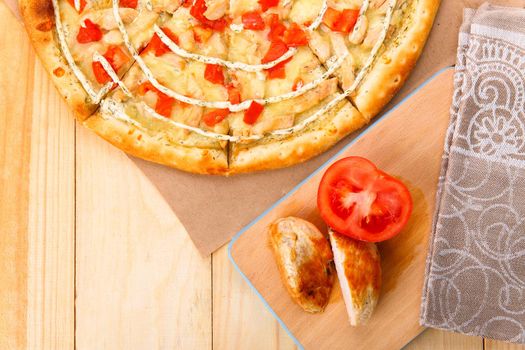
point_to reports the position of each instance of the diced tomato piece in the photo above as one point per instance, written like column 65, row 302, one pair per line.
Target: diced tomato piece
column 340, row 21
column 331, row 17
column 295, row 36
column 214, row 117
column 234, row 95
column 164, row 104
column 266, row 4
column 145, row 87
column 187, row 3
column 89, row 32
column 298, row 83
column 128, row 3
column 201, row 34
column 157, row 46
column 278, row 71
column 214, row 74
column 277, row 28
column 116, row 57
column 347, row 20
column 83, row 4
column 252, row 113
column 100, row 73
column 276, row 50
column 252, row 20
column 197, row 11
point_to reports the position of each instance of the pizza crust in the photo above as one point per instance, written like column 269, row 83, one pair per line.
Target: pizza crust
column 315, row 139
column 136, row 142
column 39, row 20
column 393, row 67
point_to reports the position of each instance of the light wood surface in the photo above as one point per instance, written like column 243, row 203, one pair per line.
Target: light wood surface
column 78, row 219
column 416, row 159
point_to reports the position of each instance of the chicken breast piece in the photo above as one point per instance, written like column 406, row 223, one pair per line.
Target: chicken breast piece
column 358, row 267
column 304, row 259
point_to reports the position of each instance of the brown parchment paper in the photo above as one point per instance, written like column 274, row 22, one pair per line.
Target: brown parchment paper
column 213, row 209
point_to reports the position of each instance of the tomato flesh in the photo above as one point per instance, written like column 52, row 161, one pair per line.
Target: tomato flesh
column 89, row 32
column 252, row 20
column 279, row 70
column 277, row 28
column 157, row 46
column 116, row 57
column 132, row 4
column 214, row 117
column 252, row 113
column 295, row 36
column 197, row 11
column 266, row 4
column 214, row 74
column 357, row 199
column 340, row 21
column 276, row 50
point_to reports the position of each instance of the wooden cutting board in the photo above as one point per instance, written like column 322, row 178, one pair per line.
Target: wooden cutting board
column 407, row 143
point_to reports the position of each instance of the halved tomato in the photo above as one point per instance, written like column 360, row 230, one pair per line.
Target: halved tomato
column 358, row 200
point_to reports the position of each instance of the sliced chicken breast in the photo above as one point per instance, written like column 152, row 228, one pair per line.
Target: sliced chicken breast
column 304, row 260
column 358, row 267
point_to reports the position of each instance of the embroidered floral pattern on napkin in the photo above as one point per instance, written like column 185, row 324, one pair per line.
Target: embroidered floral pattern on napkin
column 475, row 278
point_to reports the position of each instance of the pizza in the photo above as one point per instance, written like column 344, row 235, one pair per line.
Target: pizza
column 227, row 86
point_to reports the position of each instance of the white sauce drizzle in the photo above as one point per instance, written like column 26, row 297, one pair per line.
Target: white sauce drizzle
column 97, row 57
column 362, row 13
column 77, row 5
column 96, row 97
column 237, row 65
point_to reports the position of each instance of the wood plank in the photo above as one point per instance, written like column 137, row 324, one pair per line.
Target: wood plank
column 51, row 232
column 15, row 139
column 414, row 158
column 499, row 345
column 434, row 339
column 141, row 284
column 240, row 320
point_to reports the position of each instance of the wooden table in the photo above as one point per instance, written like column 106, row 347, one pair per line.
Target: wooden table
column 91, row 256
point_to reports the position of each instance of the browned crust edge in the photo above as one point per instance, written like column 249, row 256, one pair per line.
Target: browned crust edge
column 333, row 126
column 392, row 69
column 136, row 142
column 39, row 21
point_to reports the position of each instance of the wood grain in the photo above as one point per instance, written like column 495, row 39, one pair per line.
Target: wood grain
column 240, row 320
column 415, row 158
column 499, row 345
column 141, row 284
column 433, row 339
column 15, row 139
column 51, row 228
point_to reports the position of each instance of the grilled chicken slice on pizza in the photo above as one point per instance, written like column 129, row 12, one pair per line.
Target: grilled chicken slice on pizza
column 358, row 268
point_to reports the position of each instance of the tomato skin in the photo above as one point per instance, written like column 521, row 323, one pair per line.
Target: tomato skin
column 358, row 200
column 214, row 117
column 252, row 113
column 340, row 21
column 252, row 20
column 89, row 32
column 276, row 50
column 214, row 74
column 101, row 75
column 295, row 36
column 266, row 4
column 197, row 11
column 132, row 4
column 157, row 46
column 277, row 28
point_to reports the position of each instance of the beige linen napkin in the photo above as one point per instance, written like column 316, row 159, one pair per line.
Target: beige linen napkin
column 475, row 278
